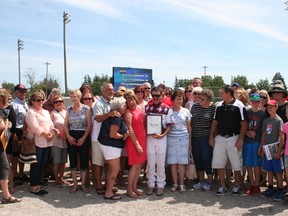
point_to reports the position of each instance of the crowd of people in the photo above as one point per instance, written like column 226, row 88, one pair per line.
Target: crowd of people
column 151, row 130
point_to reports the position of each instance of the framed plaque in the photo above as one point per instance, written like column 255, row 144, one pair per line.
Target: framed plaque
column 154, row 124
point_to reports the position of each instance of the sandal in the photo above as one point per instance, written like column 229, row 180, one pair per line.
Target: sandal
column 11, row 199
column 182, row 189
column 73, row 189
column 39, row 191
column 100, row 191
column 84, row 189
column 174, row 188
column 113, row 197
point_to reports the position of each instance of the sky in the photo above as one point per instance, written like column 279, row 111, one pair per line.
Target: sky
column 174, row 38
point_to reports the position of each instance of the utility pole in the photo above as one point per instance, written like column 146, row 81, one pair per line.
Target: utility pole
column 204, row 67
column 47, row 64
column 66, row 20
column 20, row 47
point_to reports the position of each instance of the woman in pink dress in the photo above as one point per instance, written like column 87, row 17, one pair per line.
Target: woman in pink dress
column 135, row 143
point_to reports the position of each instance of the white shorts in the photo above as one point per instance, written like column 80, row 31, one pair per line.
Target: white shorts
column 224, row 149
column 97, row 155
column 110, row 152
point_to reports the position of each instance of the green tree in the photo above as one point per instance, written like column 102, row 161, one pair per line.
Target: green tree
column 98, row 82
column 278, row 76
column 30, row 76
column 181, row 83
column 217, row 81
column 206, row 81
column 241, row 80
column 263, row 84
column 49, row 83
column 9, row 86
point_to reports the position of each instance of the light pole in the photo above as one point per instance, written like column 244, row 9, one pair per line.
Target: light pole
column 20, row 47
column 66, row 19
column 47, row 64
column 204, row 67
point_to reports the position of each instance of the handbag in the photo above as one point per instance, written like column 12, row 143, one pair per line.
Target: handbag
column 62, row 134
column 28, row 151
column 5, row 135
column 190, row 170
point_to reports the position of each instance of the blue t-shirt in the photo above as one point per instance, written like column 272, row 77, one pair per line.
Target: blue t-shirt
column 104, row 136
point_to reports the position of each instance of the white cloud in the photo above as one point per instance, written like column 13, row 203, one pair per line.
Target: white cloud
column 98, row 6
column 245, row 15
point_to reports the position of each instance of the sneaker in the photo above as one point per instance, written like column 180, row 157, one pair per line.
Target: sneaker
column 268, row 193
column 279, row 196
column 207, row 186
column 198, row 185
column 256, row 190
column 24, row 178
column 221, row 191
column 150, row 191
column 160, row 191
column 250, row 189
column 235, row 191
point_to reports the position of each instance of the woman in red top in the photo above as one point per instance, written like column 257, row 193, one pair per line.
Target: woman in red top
column 136, row 143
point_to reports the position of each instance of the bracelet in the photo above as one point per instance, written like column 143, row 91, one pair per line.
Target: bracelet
column 124, row 137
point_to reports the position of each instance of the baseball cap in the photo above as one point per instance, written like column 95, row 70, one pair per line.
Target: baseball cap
column 235, row 84
column 254, row 97
column 272, row 103
column 20, row 87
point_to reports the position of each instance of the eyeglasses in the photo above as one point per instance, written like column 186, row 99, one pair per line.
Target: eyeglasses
column 38, row 100
column 155, row 95
column 87, row 99
column 263, row 97
column 196, row 93
column 60, row 101
column 188, row 91
column 139, row 92
column 147, row 88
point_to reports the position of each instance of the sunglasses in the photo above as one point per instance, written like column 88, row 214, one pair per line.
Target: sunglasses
column 22, row 91
column 147, row 88
column 60, row 101
column 188, row 91
column 139, row 92
column 196, row 93
column 38, row 100
column 156, row 95
column 85, row 99
column 263, row 97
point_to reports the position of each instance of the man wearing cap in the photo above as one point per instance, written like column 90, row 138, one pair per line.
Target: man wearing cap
column 226, row 137
column 252, row 141
column 20, row 106
column 279, row 94
column 235, row 86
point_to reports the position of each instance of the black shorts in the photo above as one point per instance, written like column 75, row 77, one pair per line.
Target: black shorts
column 4, row 165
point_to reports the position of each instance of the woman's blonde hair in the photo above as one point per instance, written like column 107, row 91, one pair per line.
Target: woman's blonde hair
column 3, row 94
column 130, row 94
column 76, row 92
column 38, row 93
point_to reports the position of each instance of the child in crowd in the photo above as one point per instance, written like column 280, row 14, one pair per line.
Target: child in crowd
column 252, row 141
column 285, row 130
column 272, row 132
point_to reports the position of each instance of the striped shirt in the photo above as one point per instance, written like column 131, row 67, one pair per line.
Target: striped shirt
column 201, row 120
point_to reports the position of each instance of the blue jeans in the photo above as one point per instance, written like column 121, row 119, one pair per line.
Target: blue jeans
column 36, row 169
column 202, row 154
column 82, row 150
